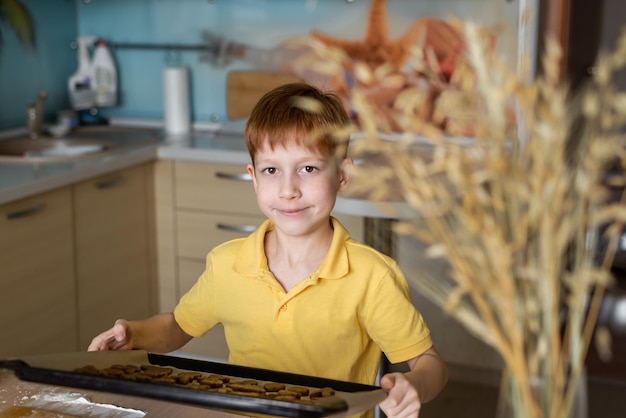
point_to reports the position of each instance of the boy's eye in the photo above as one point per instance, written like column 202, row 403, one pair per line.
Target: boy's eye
column 309, row 169
column 270, row 170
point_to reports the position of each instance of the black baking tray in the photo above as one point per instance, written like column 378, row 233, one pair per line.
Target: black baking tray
column 58, row 370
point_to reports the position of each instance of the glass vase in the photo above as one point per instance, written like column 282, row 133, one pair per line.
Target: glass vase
column 511, row 405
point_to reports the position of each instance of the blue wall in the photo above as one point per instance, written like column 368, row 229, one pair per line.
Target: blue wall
column 260, row 23
column 23, row 72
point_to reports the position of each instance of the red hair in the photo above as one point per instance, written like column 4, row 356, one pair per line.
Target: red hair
column 302, row 114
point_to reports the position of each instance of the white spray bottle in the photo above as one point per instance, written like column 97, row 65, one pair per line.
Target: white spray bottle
column 105, row 81
column 80, row 84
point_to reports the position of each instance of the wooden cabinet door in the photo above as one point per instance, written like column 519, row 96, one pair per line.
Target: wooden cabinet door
column 199, row 232
column 215, row 187
column 38, row 297
column 112, row 250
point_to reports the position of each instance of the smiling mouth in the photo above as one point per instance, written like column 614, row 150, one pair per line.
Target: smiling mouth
column 290, row 212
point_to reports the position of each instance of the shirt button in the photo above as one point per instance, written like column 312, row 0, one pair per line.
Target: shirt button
column 283, row 308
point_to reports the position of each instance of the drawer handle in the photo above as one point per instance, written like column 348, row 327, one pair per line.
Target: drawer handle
column 110, row 183
column 25, row 212
column 237, row 228
column 229, row 176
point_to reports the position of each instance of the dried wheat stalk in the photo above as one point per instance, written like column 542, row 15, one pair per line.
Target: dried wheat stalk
column 515, row 212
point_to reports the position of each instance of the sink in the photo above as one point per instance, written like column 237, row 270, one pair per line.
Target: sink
column 30, row 148
column 81, row 144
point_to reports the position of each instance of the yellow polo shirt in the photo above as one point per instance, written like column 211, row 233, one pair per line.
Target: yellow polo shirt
column 332, row 324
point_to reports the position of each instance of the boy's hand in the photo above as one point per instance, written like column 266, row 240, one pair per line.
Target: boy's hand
column 403, row 400
column 117, row 338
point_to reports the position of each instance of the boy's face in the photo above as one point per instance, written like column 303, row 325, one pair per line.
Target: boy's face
column 296, row 188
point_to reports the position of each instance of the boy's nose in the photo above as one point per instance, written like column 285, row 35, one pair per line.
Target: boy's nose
column 289, row 188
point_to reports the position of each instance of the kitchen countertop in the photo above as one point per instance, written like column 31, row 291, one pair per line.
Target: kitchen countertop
column 210, row 144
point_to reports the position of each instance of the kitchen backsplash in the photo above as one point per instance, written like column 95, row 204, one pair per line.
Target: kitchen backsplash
column 262, row 24
column 24, row 73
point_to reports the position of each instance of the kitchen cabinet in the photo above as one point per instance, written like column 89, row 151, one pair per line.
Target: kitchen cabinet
column 214, row 203
column 113, row 233
column 198, row 206
column 38, row 297
column 75, row 259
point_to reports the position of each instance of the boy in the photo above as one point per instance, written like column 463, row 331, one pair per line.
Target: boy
column 298, row 295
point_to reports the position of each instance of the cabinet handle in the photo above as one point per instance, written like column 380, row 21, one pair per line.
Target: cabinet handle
column 229, row 176
column 237, row 228
column 107, row 184
column 25, row 212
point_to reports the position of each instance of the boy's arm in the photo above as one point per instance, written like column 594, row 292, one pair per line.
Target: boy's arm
column 160, row 334
column 426, row 378
column 428, row 374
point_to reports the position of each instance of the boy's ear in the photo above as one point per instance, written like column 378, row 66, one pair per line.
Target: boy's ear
column 345, row 173
column 250, row 169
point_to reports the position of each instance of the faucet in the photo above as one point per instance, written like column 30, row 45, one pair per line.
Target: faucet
column 34, row 115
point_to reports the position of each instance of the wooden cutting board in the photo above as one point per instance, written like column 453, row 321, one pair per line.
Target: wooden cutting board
column 245, row 88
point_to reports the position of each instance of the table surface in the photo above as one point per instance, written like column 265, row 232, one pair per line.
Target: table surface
column 85, row 403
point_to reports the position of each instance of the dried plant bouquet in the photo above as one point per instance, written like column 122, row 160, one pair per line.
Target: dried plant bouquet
column 520, row 211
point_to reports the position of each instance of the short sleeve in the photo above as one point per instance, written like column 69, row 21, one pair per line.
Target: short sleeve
column 196, row 311
column 392, row 320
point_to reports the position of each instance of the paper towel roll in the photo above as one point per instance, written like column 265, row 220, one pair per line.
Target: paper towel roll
column 176, row 107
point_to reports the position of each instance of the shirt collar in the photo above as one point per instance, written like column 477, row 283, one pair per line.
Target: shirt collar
column 251, row 260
